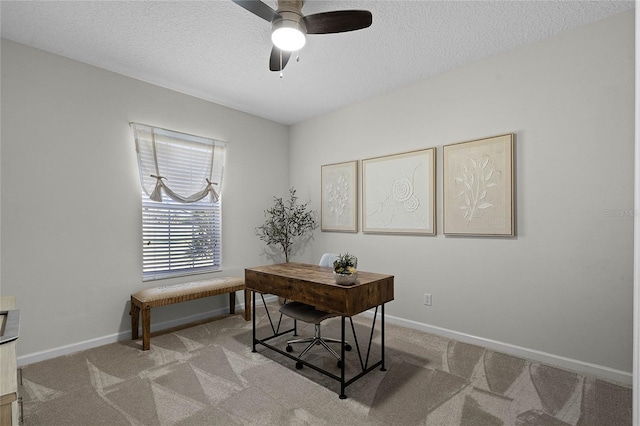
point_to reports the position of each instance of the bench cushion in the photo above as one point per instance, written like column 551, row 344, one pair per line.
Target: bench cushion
column 164, row 295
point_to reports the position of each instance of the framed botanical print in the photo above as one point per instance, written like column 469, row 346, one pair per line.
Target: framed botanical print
column 398, row 195
column 478, row 187
column 339, row 197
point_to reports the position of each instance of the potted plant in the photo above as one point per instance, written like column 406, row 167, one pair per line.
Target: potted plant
column 344, row 269
column 286, row 222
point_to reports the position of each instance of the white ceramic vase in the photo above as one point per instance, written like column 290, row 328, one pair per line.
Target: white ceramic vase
column 345, row 279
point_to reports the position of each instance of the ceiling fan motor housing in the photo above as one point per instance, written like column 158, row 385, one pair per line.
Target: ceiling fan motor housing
column 290, row 25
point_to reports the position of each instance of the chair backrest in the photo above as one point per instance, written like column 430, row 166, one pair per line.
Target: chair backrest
column 327, row 259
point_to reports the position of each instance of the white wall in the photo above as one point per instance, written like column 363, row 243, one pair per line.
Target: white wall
column 562, row 289
column 71, row 216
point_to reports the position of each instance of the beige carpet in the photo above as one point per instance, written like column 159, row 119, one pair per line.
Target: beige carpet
column 207, row 375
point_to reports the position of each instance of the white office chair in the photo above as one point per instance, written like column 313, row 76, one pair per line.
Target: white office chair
column 309, row 314
column 327, row 259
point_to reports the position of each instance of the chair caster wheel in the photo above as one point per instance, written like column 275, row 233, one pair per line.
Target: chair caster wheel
column 339, row 364
column 347, row 347
column 298, row 365
column 289, row 348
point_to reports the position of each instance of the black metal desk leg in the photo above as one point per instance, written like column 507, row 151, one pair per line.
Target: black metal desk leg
column 253, row 302
column 342, row 360
column 382, row 368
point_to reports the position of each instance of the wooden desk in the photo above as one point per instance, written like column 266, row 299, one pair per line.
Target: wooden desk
column 315, row 285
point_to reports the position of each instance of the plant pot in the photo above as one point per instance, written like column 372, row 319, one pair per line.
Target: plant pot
column 345, row 279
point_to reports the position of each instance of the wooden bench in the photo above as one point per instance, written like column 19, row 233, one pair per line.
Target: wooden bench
column 152, row 297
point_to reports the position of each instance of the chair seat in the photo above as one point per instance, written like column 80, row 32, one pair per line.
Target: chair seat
column 305, row 313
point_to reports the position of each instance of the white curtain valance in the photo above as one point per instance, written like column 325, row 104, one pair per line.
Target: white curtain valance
column 184, row 167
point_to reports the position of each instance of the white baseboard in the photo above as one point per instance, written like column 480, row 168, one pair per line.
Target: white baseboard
column 610, row 374
column 123, row 335
column 622, row 377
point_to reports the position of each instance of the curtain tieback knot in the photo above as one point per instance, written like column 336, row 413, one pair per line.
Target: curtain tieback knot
column 156, row 195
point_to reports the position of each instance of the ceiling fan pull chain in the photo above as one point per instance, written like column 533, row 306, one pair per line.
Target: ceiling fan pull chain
column 281, row 74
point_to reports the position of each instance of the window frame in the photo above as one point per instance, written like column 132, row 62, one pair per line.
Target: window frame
column 181, row 208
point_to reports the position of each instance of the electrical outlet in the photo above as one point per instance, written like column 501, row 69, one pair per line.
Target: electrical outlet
column 427, row 299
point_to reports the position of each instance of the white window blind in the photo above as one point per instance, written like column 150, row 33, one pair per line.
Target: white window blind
column 181, row 177
column 179, row 238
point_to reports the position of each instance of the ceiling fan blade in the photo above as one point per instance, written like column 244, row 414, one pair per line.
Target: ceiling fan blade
column 338, row 21
column 275, row 61
column 259, row 9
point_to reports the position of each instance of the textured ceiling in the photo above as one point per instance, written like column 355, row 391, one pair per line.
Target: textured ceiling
column 218, row 51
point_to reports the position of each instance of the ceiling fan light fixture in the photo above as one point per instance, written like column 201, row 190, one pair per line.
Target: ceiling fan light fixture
column 288, row 35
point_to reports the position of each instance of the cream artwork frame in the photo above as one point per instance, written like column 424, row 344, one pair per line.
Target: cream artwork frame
column 339, row 197
column 398, row 193
column 478, row 187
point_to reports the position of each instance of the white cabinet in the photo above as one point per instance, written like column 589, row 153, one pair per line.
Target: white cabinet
column 8, row 371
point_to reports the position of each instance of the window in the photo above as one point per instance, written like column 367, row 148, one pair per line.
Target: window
column 179, row 238
column 181, row 205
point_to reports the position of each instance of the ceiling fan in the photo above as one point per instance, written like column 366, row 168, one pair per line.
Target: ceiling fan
column 289, row 26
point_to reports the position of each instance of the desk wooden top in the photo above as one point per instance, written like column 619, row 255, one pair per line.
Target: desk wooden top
column 316, row 286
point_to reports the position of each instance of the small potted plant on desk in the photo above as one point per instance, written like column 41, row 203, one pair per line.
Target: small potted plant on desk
column 344, row 269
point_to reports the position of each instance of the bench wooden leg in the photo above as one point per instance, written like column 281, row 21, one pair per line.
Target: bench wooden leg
column 232, row 302
column 146, row 328
column 135, row 317
column 247, row 304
